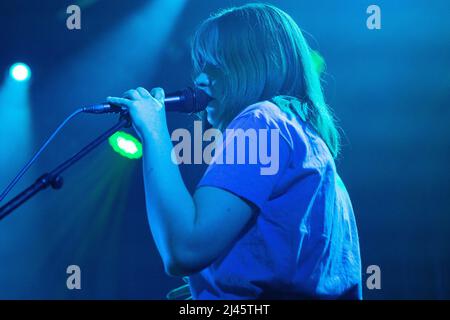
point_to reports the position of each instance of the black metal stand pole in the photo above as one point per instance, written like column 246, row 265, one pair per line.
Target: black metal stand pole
column 54, row 178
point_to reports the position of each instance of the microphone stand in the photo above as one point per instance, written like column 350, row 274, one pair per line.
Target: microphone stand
column 54, row 178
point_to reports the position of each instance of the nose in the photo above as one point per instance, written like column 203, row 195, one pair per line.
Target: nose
column 202, row 81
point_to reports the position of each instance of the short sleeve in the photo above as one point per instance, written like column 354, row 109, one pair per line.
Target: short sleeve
column 249, row 161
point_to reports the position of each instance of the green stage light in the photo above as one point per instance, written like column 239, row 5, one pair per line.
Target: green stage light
column 318, row 61
column 126, row 145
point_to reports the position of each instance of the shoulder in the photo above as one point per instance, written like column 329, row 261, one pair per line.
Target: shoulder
column 297, row 134
column 267, row 115
column 263, row 111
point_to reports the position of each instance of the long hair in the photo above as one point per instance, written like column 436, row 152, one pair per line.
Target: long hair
column 258, row 52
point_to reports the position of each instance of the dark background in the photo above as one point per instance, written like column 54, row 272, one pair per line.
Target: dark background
column 389, row 89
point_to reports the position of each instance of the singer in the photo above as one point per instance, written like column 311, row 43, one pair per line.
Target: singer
column 243, row 234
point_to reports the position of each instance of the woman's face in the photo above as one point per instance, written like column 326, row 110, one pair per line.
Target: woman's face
column 207, row 83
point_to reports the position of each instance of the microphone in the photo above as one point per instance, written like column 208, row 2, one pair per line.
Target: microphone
column 187, row 100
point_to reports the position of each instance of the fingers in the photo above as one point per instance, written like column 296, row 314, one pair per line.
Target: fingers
column 158, row 94
column 140, row 92
column 143, row 92
column 132, row 94
column 120, row 101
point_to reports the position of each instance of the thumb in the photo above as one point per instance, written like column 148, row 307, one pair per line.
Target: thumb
column 158, row 94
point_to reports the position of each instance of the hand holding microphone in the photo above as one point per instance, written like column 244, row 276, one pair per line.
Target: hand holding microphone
column 147, row 110
column 187, row 100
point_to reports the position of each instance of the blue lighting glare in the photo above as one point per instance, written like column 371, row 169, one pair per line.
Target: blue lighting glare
column 20, row 71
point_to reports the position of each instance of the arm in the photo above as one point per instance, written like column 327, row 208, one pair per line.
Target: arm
column 189, row 231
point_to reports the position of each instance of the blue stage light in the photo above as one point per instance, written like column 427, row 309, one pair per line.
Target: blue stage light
column 20, row 72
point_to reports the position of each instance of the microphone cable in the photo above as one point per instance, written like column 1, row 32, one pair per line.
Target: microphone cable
column 37, row 154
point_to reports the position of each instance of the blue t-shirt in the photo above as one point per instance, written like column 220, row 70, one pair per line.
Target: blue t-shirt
column 303, row 241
